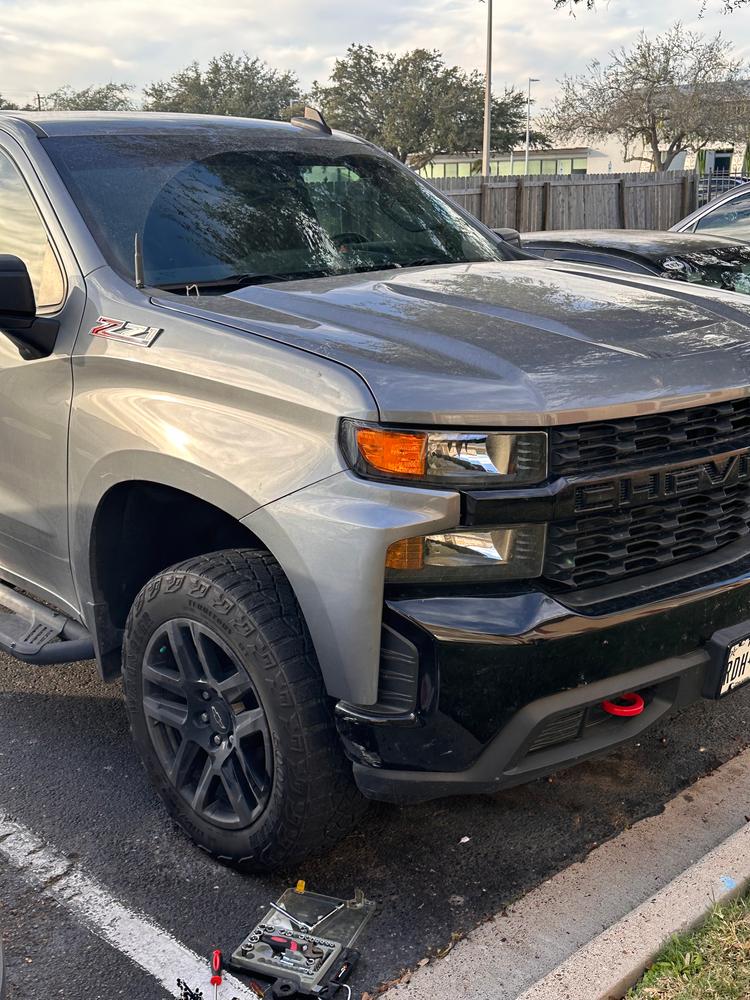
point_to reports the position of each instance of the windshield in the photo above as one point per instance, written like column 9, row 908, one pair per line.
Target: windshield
column 233, row 206
column 719, row 267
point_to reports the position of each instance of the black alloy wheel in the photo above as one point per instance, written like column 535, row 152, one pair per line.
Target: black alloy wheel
column 207, row 724
column 230, row 714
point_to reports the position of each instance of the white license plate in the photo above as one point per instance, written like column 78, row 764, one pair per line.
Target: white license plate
column 737, row 670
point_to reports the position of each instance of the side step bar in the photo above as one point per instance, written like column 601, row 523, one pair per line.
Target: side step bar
column 34, row 633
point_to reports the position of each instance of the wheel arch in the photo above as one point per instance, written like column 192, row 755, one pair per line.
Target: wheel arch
column 138, row 528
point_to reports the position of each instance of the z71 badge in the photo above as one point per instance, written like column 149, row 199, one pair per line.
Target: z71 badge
column 131, row 333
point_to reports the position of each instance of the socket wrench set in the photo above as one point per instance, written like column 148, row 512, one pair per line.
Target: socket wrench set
column 302, row 937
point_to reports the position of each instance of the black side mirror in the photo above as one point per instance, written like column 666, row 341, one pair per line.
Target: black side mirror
column 511, row 236
column 18, row 318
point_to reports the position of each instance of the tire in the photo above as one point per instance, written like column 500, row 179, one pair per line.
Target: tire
column 229, row 713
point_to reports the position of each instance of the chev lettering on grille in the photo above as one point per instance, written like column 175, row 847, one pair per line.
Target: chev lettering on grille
column 661, row 484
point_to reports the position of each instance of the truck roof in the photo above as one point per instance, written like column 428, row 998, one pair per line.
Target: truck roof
column 52, row 123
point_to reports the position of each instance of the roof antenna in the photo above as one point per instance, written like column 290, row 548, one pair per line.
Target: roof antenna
column 312, row 120
column 138, row 262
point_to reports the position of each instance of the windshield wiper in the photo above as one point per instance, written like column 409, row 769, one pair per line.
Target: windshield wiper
column 425, row 261
column 233, row 281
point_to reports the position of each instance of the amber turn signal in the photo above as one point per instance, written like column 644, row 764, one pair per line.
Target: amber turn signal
column 393, row 451
column 407, row 553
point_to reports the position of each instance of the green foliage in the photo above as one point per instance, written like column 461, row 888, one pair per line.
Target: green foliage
column 416, row 104
column 229, row 85
column 109, row 97
column 6, row 105
column 710, row 963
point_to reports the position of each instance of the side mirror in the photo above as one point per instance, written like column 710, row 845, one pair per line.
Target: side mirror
column 511, row 236
column 18, row 318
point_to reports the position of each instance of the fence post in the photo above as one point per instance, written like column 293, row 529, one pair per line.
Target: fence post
column 520, row 192
column 685, row 202
column 546, row 198
column 621, row 203
column 484, row 201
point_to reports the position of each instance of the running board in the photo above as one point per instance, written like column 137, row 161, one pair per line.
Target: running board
column 34, row 633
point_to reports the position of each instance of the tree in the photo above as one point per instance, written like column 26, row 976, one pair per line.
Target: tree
column 416, row 104
column 6, row 105
column 726, row 5
column 108, row 97
column 230, row 85
column 663, row 96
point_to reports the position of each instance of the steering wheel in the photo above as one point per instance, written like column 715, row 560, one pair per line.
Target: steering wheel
column 348, row 237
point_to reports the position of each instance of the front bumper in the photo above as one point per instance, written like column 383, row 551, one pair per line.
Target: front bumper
column 507, row 688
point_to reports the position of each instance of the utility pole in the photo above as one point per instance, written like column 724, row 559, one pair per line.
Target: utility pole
column 532, row 79
column 487, row 97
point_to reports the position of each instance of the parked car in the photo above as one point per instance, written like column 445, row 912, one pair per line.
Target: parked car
column 713, row 184
column 697, row 259
column 728, row 215
column 361, row 501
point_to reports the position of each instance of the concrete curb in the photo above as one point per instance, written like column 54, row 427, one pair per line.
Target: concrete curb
column 541, row 932
column 608, row 966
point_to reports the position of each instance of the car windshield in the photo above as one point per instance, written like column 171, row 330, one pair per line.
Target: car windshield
column 229, row 206
column 719, row 267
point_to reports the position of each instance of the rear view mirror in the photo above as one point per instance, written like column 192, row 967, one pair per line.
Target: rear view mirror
column 511, row 236
column 17, row 302
column 18, row 318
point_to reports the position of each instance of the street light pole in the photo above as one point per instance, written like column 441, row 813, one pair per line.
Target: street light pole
column 532, row 79
column 487, row 97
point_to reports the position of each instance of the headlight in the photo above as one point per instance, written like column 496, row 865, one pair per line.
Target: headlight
column 448, row 458
column 466, row 555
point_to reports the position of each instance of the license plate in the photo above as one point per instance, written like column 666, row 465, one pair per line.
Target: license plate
column 737, row 669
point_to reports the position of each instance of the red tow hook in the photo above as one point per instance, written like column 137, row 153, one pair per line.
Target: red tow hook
column 625, row 706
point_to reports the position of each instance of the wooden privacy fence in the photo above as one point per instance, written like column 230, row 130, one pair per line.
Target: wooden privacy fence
column 578, row 201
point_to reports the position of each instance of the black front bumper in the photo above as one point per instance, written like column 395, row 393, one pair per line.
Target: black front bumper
column 508, row 687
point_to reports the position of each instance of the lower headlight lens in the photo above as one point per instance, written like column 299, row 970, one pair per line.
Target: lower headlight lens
column 515, row 552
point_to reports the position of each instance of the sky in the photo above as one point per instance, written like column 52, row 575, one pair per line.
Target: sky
column 45, row 44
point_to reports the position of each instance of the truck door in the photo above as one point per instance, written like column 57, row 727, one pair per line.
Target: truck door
column 35, row 393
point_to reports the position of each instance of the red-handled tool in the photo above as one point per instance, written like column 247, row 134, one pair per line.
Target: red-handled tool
column 217, row 968
column 279, row 943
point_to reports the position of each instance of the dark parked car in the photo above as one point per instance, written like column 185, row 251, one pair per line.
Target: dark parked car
column 698, row 259
column 728, row 215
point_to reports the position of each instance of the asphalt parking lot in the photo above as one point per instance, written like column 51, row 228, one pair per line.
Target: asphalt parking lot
column 70, row 775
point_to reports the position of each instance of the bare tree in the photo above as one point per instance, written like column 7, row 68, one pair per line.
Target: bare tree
column 726, row 5
column 676, row 92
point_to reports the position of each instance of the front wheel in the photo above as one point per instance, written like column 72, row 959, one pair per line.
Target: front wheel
column 229, row 712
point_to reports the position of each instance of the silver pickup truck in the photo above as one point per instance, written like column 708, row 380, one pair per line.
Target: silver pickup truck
column 361, row 501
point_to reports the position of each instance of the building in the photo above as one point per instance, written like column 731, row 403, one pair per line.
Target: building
column 559, row 160
column 607, row 158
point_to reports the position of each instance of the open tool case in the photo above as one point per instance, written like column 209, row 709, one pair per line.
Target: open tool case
column 304, row 938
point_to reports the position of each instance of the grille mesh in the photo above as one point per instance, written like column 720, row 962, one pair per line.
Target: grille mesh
column 585, row 448
column 603, row 547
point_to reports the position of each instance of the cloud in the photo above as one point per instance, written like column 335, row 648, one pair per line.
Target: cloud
column 46, row 44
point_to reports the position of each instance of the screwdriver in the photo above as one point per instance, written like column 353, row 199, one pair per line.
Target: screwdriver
column 217, row 967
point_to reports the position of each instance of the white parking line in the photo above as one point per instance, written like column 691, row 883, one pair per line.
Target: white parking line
column 131, row 933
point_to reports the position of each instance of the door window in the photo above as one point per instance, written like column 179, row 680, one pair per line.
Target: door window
column 732, row 218
column 22, row 233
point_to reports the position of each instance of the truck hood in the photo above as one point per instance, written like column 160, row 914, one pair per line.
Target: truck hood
column 518, row 342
